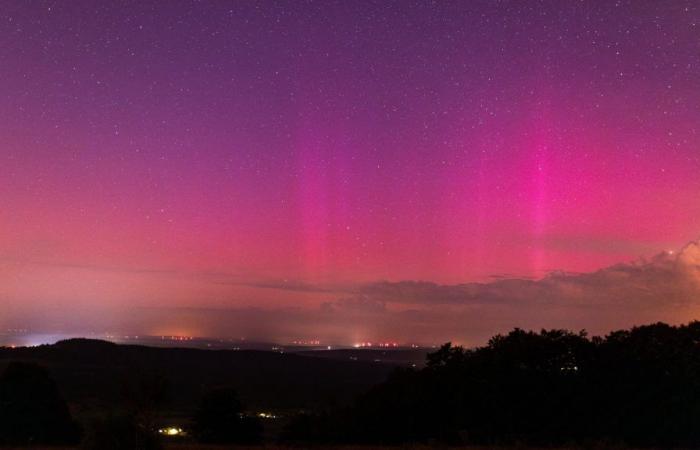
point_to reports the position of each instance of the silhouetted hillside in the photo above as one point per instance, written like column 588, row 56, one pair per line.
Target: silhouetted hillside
column 638, row 387
column 94, row 373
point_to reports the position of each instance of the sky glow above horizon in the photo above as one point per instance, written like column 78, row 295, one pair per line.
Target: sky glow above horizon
column 280, row 157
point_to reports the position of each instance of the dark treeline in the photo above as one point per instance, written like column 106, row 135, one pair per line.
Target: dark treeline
column 639, row 387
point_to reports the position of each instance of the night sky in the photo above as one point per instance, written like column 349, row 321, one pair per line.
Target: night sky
column 348, row 170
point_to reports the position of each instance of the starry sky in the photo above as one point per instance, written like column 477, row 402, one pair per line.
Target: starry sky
column 345, row 170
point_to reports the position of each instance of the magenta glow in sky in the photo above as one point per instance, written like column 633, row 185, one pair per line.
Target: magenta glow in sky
column 284, row 159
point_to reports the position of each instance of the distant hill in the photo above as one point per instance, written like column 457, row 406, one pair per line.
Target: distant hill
column 94, row 374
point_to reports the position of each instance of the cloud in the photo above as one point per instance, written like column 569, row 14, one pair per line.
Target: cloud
column 666, row 279
column 665, row 287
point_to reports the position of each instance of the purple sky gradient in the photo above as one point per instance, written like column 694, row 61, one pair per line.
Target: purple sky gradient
column 191, row 154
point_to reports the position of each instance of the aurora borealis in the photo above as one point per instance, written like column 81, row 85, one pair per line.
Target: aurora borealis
column 347, row 170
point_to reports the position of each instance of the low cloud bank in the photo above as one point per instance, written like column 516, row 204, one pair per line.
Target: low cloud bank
column 663, row 288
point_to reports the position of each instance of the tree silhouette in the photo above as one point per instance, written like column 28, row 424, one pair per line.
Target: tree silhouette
column 220, row 419
column 32, row 410
column 639, row 387
column 131, row 425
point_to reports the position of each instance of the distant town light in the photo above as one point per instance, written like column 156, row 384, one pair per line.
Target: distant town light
column 171, row 431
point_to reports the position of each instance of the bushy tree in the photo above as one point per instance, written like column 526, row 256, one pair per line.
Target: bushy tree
column 220, row 419
column 639, row 387
column 32, row 411
column 131, row 425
